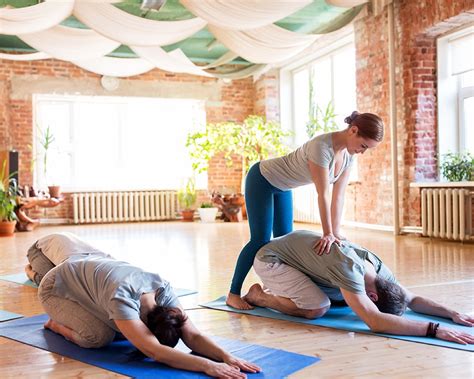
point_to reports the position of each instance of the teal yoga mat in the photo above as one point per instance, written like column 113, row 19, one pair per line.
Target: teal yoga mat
column 6, row 316
column 21, row 278
column 117, row 356
column 343, row 318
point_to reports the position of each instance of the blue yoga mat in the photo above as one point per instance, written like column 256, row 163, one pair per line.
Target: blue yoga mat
column 21, row 278
column 116, row 356
column 343, row 318
column 5, row 316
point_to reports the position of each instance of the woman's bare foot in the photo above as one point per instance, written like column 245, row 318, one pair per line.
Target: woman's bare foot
column 235, row 301
column 49, row 325
column 30, row 273
column 254, row 296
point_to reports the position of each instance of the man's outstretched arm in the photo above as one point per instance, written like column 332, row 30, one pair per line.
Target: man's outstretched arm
column 391, row 324
column 424, row 305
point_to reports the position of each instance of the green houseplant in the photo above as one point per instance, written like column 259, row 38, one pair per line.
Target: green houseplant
column 320, row 120
column 187, row 199
column 457, row 167
column 8, row 202
column 253, row 140
column 46, row 139
column 207, row 212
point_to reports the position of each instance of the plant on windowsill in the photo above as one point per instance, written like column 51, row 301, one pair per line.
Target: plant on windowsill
column 46, row 139
column 320, row 120
column 8, row 202
column 207, row 212
column 187, row 199
column 457, row 167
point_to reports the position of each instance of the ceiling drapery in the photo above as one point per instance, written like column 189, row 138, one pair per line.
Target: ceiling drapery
column 244, row 27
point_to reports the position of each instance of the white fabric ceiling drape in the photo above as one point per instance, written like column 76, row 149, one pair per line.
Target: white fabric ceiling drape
column 243, row 14
column 175, row 61
column 119, row 67
column 245, row 27
column 25, row 57
column 68, row 44
column 128, row 29
column 35, row 18
column 269, row 44
column 346, row 3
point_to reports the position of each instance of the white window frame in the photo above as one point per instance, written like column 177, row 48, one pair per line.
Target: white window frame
column 450, row 97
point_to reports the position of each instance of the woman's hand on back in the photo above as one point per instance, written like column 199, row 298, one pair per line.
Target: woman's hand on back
column 323, row 246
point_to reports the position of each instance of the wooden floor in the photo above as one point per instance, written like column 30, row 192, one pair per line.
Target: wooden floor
column 202, row 256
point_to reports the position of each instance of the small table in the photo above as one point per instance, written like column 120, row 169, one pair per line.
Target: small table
column 26, row 223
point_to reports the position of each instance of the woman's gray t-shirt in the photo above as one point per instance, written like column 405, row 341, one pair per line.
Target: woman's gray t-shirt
column 292, row 170
column 110, row 289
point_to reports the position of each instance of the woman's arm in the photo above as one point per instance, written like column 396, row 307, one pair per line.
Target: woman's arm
column 320, row 176
column 337, row 202
column 203, row 345
column 141, row 337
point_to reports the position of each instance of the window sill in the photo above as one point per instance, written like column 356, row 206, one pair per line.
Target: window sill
column 441, row 184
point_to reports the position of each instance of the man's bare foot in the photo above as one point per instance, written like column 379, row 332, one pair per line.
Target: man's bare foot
column 254, row 295
column 235, row 301
column 30, row 273
column 49, row 325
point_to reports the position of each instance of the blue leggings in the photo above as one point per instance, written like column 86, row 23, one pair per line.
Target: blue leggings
column 268, row 209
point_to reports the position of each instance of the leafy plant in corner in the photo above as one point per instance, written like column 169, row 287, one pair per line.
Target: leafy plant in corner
column 457, row 167
column 8, row 195
column 45, row 139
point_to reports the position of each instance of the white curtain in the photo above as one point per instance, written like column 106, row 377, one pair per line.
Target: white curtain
column 254, row 70
column 243, row 14
column 34, row 18
column 269, row 44
column 68, row 44
column 25, row 57
column 175, row 61
column 128, row 29
column 119, row 67
column 226, row 58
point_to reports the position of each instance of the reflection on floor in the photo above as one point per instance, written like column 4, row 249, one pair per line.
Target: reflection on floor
column 202, row 257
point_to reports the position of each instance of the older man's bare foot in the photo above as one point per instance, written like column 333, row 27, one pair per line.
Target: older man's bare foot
column 235, row 301
column 30, row 273
column 254, row 296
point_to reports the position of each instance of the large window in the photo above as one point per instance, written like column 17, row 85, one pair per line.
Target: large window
column 456, row 92
column 114, row 143
column 328, row 79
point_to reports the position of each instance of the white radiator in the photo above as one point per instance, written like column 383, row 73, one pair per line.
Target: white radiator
column 101, row 207
column 305, row 205
column 447, row 213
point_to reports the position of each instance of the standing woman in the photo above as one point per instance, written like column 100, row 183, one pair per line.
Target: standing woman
column 323, row 160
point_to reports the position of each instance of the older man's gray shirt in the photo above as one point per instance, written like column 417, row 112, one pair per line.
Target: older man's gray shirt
column 109, row 289
column 343, row 267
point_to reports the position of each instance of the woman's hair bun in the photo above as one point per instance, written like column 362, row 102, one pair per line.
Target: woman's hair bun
column 351, row 118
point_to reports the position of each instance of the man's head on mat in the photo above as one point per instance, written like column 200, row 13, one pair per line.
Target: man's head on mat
column 166, row 323
column 388, row 297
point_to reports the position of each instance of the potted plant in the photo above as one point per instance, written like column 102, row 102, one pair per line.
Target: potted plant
column 8, row 202
column 457, row 167
column 187, row 199
column 207, row 212
column 320, row 120
column 253, row 140
column 46, row 139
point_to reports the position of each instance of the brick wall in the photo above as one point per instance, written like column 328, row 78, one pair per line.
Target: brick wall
column 20, row 80
column 417, row 24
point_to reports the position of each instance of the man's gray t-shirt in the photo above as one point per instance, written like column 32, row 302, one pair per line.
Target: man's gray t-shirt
column 343, row 267
column 292, row 170
column 110, row 289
